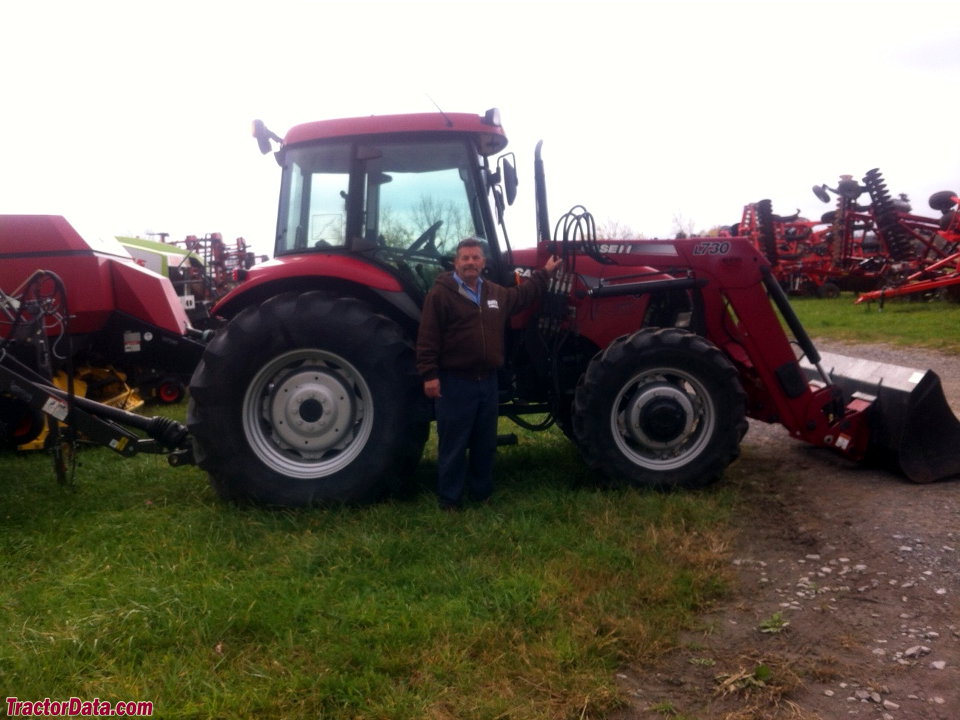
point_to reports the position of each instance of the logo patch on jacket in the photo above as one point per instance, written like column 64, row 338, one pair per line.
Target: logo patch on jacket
column 493, row 304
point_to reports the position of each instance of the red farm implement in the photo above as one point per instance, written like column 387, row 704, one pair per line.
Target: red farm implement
column 857, row 247
column 942, row 275
column 202, row 269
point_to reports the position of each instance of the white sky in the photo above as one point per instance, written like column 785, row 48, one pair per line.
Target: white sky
column 134, row 117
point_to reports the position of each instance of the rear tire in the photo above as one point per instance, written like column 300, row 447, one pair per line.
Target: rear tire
column 660, row 409
column 308, row 400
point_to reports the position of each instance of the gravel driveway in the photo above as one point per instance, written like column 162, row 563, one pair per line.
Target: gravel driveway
column 854, row 572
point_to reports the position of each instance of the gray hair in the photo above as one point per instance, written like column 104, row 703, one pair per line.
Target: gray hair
column 472, row 241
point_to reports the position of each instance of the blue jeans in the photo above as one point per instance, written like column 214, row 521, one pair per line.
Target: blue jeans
column 467, row 430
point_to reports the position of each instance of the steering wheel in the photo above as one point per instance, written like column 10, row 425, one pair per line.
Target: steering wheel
column 427, row 241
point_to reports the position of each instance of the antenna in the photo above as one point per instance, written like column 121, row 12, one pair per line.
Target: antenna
column 445, row 117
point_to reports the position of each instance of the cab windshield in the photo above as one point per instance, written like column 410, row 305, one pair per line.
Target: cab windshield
column 402, row 203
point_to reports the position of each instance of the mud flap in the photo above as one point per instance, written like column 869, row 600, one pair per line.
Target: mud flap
column 910, row 421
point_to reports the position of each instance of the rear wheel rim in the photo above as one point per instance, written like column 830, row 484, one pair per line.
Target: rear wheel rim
column 662, row 419
column 307, row 413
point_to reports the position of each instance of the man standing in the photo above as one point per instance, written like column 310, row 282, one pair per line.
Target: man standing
column 459, row 348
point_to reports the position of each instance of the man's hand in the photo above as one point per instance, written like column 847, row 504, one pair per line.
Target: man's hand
column 431, row 388
column 553, row 262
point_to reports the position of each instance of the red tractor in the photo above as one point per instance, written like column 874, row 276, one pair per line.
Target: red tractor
column 649, row 354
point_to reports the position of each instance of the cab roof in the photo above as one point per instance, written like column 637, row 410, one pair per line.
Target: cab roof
column 490, row 136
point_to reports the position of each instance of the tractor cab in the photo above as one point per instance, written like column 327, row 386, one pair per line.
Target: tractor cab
column 401, row 201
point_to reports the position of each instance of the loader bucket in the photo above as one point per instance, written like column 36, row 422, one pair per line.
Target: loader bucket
column 909, row 419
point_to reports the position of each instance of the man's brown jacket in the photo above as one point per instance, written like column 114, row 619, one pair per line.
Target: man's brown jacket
column 456, row 334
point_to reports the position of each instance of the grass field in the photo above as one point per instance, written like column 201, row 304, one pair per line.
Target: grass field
column 136, row 583
column 921, row 323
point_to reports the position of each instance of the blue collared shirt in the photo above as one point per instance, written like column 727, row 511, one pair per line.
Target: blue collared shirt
column 464, row 290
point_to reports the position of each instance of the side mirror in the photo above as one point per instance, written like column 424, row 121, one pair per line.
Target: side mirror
column 510, row 181
column 264, row 137
column 508, row 172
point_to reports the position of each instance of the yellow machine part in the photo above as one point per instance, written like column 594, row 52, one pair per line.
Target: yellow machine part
column 105, row 385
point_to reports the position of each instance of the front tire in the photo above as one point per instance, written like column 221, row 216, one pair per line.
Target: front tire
column 307, row 400
column 660, row 409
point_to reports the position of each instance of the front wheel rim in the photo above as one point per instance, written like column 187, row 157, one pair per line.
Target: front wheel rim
column 662, row 419
column 307, row 413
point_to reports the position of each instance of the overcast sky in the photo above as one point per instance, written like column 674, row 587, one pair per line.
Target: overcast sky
column 132, row 117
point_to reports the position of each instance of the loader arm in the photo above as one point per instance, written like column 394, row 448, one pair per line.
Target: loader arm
column 807, row 403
